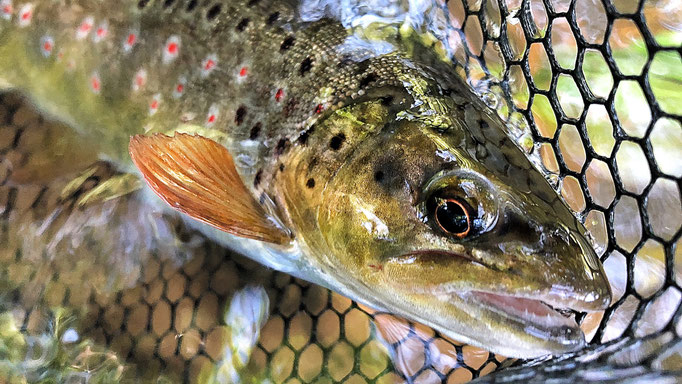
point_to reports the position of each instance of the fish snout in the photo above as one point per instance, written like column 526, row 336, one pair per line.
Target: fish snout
column 578, row 280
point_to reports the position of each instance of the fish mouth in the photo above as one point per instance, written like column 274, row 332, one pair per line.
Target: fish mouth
column 513, row 313
column 537, row 315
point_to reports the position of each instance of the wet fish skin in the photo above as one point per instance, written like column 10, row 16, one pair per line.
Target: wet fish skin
column 304, row 122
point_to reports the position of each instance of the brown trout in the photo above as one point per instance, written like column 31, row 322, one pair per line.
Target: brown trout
column 376, row 173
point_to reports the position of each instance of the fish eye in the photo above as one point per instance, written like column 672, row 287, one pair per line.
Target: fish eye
column 451, row 214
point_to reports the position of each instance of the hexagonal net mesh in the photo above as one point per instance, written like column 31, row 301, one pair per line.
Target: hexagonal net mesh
column 113, row 290
column 596, row 83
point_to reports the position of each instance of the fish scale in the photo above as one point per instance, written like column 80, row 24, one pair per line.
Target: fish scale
column 146, row 289
column 304, row 67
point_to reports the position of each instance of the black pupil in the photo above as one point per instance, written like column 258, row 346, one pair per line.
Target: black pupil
column 451, row 217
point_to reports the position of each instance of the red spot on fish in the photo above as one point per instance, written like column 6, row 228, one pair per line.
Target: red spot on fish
column 154, row 104
column 101, row 33
column 85, row 27
column 140, row 80
column 172, row 49
column 208, row 65
column 25, row 15
column 179, row 88
column 319, row 109
column 279, row 95
column 213, row 113
column 7, row 10
column 130, row 41
column 376, row 267
column 95, row 83
column 46, row 45
column 243, row 72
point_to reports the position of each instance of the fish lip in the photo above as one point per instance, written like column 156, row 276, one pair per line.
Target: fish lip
column 438, row 252
column 552, row 296
column 535, row 310
column 548, row 317
column 542, row 321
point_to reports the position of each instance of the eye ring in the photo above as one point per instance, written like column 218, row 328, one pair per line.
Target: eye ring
column 452, row 215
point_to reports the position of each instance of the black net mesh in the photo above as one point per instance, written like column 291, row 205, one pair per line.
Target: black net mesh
column 597, row 83
column 591, row 91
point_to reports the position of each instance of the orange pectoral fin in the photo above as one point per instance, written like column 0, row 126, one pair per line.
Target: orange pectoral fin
column 197, row 176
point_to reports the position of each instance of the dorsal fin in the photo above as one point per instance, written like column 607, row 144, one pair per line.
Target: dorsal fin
column 197, row 176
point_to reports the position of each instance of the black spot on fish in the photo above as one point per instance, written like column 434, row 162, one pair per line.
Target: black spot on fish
column 272, row 18
column 191, row 5
column 310, row 183
column 387, row 100
column 168, row 3
column 306, row 66
column 346, row 61
column 243, row 23
column 257, row 178
column 213, row 12
column 367, row 80
column 255, row 131
column 388, row 171
column 336, row 141
column 362, row 67
column 240, row 114
column 281, row 167
column 287, row 43
column 281, row 146
column 303, row 138
column 449, row 166
column 142, row 3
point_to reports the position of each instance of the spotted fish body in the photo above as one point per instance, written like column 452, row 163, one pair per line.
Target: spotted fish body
column 343, row 148
column 239, row 68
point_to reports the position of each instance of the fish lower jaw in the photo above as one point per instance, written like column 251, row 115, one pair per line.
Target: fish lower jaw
column 535, row 313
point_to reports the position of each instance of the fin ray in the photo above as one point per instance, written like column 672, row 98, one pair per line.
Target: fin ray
column 197, row 176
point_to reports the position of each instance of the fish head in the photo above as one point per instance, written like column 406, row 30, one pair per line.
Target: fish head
column 457, row 229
